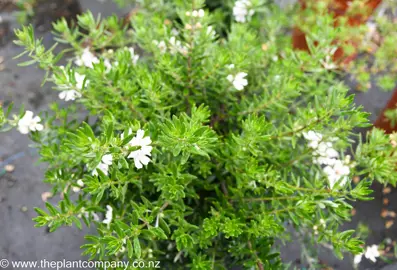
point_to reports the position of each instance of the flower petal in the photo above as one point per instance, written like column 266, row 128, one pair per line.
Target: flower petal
column 138, row 165
column 144, row 160
column 39, row 127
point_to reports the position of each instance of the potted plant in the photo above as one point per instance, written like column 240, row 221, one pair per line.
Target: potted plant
column 346, row 13
column 201, row 151
column 373, row 43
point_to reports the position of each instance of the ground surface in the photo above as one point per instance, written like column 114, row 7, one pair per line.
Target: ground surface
column 21, row 189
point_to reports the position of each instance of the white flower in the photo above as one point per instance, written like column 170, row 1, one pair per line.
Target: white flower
column 174, row 32
column 134, row 57
column 322, row 222
column 313, row 137
column 109, row 215
column 106, row 161
column 372, row 253
column 325, row 149
column 196, row 13
column 95, row 216
column 29, row 123
column 183, row 50
column 242, row 11
column 337, row 172
column 239, row 81
column 324, row 161
column 200, row 13
column 252, row 184
column 79, row 80
column 103, row 167
column 176, row 46
column 210, row 31
column 87, row 59
column 161, row 45
column 88, row 214
column 80, row 184
column 231, row 66
column 71, row 94
column 328, row 63
column 357, row 258
column 324, row 153
column 141, row 156
column 341, row 169
column 107, row 65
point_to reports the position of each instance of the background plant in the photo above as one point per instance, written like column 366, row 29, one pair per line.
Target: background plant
column 371, row 41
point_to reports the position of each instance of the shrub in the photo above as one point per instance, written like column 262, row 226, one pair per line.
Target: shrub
column 213, row 143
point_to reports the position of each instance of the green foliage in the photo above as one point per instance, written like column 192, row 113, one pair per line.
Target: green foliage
column 391, row 115
column 2, row 117
column 26, row 10
column 363, row 33
column 185, row 136
column 175, row 157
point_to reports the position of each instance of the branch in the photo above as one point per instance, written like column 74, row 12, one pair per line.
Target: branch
column 258, row 261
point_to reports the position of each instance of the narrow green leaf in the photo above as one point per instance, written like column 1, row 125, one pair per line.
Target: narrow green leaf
column 137, row 247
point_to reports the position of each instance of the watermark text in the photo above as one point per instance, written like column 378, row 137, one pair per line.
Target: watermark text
column 80, row 264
